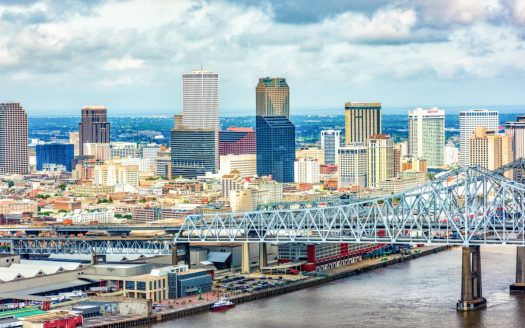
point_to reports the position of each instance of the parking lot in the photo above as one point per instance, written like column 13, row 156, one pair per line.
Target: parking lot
column 251, row 283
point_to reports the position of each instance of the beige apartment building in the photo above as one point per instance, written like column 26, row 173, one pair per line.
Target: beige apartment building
column 488, row 149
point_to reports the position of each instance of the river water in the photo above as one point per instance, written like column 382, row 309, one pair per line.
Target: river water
column 418, row 293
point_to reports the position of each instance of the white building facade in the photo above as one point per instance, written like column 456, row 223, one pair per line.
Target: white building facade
column 468, row 121
column 427, row 135
column 307, row 171
column 352, row 166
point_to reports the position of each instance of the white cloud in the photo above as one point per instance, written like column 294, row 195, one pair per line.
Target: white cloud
column 124, row 63
column 348, row 50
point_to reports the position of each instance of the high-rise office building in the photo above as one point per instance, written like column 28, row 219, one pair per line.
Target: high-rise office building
column 352, row 166
column 468, row 121
column 237, row 141
column 14, row 154
column 380, row 159
column 275, row 140
column 94, row 126
column 361, row 121
column 426, row 137
column 272, row 97
column 330, row 143
column 192, row 152
column 199, row 122
column 200, row 100
column 488, row 149
column 55, row 153
column 275, row 147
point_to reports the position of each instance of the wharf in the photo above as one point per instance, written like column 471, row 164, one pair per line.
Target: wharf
column 331, row 275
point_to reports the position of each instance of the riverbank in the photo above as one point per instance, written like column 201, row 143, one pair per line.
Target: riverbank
column 331, row 275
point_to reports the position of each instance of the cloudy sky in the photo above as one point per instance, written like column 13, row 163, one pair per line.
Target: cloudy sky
column 56, row 56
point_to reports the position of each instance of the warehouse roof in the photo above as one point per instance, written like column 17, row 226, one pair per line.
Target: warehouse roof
column 218, row 257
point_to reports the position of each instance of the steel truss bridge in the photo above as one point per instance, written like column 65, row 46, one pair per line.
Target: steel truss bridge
column 469, row 206
column 87, row 246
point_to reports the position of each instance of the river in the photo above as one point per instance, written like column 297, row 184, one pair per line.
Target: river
column 418, row 293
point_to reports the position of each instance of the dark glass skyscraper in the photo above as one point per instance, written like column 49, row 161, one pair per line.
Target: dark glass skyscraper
column 275, row 147
column 55, row 153
column 192, row 152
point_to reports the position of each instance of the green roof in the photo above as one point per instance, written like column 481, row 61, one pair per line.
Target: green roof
column 21, row 313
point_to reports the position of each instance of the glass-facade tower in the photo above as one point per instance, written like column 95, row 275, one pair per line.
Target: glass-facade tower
column 275, row 147
column 192, row 152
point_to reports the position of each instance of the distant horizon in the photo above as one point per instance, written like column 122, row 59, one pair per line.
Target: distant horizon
column 233, row 112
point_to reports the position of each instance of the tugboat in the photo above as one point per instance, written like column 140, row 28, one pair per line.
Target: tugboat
column 222, row 305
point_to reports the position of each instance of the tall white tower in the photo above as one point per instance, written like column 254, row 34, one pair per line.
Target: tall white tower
column 200, row 114
column 200, row 100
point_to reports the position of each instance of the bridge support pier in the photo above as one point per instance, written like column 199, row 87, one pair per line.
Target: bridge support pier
column 263, row 255
column 471, row 291
column 180, row 252
column 97, row 258
column 245, row 259
column 519, row 286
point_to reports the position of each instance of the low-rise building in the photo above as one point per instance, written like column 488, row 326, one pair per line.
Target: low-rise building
column 15, row 206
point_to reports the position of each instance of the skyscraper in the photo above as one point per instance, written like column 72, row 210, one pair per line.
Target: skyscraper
column 361, row 121
column 198, row 123
column 352, row 166
column 200, row 100
column 426, row 137
column 275, row 147
column 330, row 143
column 94, row 127
column 468, row 121
column 55, row 153
column 272, row 97
column 192, row 152
column 14, row 155
column 380, row 159
column 275, row 137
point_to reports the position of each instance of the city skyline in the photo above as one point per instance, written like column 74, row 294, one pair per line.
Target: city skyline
column 275, row 157
column 53, row 63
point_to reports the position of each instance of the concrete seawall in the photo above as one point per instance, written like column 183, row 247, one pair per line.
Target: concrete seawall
column 339, row 273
